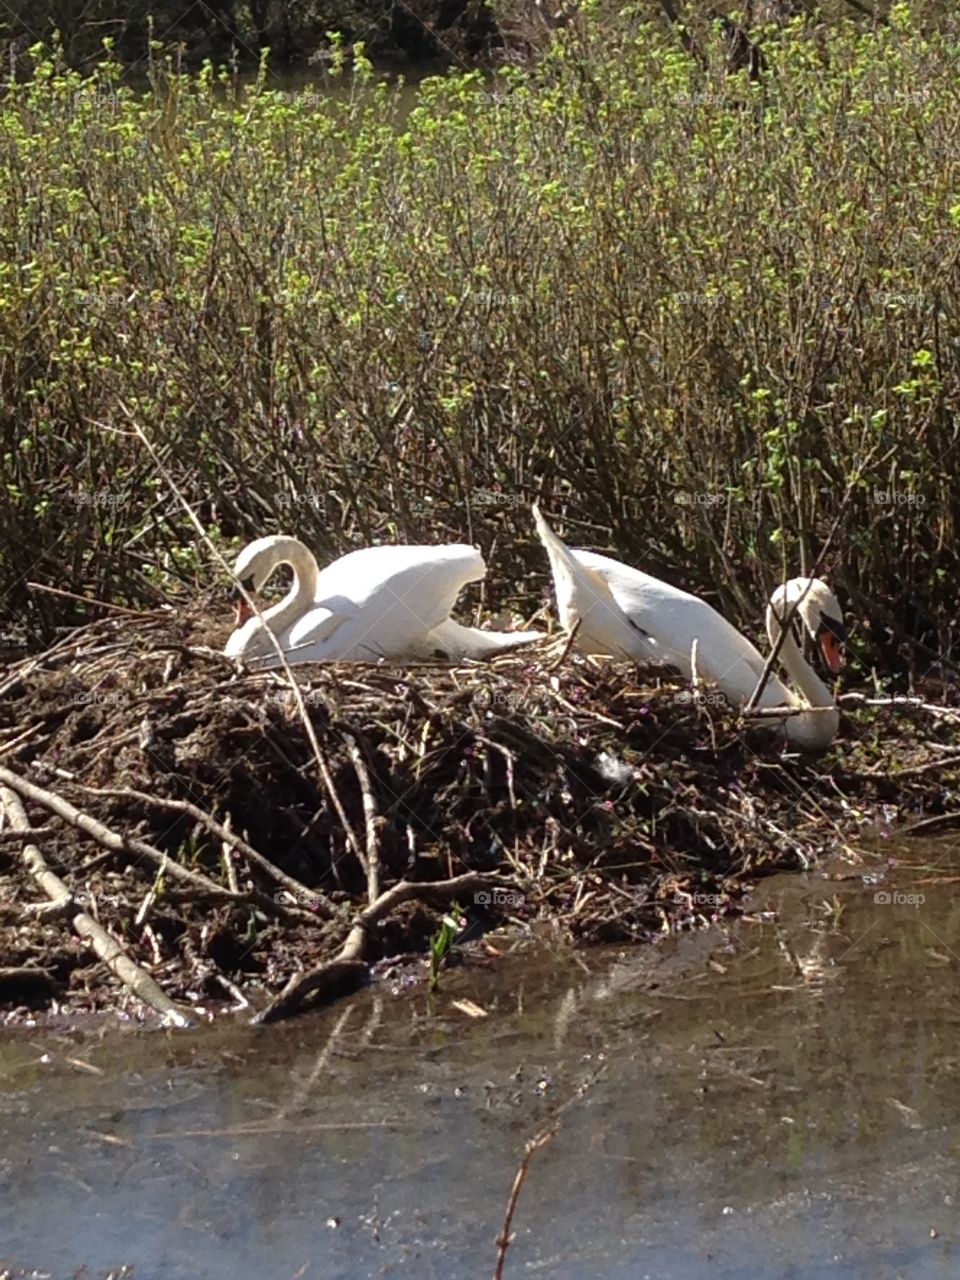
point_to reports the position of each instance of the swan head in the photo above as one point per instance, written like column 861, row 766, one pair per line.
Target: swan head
column 819, row 611
column 254, row 565
column 258, row 559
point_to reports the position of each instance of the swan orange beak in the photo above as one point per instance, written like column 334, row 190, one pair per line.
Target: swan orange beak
column 242, row 612
column 832, row 650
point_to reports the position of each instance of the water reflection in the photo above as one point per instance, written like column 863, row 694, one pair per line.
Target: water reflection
column 770, row 1100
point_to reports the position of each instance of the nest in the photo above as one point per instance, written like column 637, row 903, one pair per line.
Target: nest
column 224, row 833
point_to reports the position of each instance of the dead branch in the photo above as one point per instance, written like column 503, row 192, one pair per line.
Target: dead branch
column 536, row 1143
column 220, row 832
column 104, row 944
column 371, row 818
column 347, row 971
column 117, row 843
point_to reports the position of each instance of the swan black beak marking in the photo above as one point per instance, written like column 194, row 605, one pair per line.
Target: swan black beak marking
column 831, row 637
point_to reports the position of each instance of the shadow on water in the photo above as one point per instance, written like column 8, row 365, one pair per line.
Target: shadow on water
column 773, row 1100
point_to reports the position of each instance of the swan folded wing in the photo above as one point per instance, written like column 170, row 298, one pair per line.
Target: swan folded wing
column 307, row 638
column 619, row 607
column 409, row 590
column 677, row 619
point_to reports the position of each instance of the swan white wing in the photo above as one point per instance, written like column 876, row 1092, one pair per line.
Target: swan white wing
column 586, row 601
column 675, row 619
column 385, row 600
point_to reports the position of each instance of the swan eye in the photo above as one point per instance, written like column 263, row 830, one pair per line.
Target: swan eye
column 248, row 583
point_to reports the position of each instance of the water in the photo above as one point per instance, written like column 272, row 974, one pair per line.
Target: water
column 766, row 1101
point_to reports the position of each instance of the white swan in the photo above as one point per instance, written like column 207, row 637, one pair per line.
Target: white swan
column 381, row 602
column 625, row 613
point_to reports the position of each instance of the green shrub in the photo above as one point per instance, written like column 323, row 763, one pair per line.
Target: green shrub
column 711, row 320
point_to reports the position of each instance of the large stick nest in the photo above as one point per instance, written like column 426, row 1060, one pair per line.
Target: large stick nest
column 589, row 796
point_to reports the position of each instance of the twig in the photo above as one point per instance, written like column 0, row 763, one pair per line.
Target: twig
column 540, row 1140
column 23, row 978
column 347, row 971
column 272, row 638
column 104, row 944
column 751, row 708
column 939, row 819
column 902, row 700
column 784, row 713
column 788, row 617
column 947, row 762
column 129, row 844
column 99, row 604
column 564, row 653
column 13, row 836
column 371, row 818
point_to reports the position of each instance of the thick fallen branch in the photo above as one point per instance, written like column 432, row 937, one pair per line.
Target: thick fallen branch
column 220, row 832
column 117, row 843
column 103, row 943
column 347, row 970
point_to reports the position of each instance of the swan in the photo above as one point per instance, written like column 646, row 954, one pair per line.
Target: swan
column 379, row 602
column 622, row 612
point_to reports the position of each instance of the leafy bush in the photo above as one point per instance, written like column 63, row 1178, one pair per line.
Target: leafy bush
column 711, row 320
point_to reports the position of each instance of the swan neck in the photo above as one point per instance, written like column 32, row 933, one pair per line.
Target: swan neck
column 813, row 690
column 280, row 616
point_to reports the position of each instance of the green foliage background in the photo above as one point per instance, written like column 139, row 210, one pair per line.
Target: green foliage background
column 711, row 321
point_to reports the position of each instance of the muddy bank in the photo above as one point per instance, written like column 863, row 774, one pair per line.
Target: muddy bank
column 174, row 827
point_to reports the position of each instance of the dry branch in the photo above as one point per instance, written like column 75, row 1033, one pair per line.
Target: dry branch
column 220, row 832
column 117, row 843
column 347, row 971
column 104, row 944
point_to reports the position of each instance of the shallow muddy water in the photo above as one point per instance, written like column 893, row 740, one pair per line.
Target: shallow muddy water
column 767, row 1100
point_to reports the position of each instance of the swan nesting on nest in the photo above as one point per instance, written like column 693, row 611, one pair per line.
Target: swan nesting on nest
column 621, row 612
column 380, row 602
